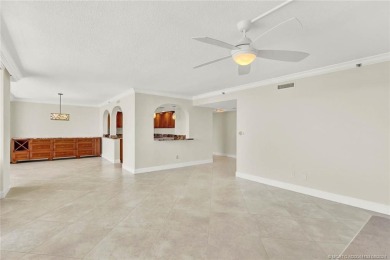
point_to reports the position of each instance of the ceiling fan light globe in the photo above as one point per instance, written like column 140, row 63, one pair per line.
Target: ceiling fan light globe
column 244, row 58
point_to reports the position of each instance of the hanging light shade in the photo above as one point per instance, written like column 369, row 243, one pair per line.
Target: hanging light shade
column 60, row 116
column 244, row 58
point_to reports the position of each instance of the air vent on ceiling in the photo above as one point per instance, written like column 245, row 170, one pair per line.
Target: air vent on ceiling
column 288, row 85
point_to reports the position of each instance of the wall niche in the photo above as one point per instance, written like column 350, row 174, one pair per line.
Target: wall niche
column 170, row 123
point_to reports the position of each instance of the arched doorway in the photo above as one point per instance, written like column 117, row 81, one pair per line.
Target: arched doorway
column 117, row 124
column 106, row 123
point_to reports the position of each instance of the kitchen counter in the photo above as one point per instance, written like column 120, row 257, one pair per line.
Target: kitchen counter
column 172, row 139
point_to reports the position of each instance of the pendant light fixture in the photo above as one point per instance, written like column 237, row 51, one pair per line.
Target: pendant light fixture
column 60, row 116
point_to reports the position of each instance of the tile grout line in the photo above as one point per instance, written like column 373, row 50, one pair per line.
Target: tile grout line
column 247, row 208
column 350, row 242
column 112, row 229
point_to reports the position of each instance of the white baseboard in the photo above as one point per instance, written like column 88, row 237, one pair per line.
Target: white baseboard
column 4, row 193
column 225, row 154
column 111, row 160
column 359, row 203
column 127, row 168
column 171, row 166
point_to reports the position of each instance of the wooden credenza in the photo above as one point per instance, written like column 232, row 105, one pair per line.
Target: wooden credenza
column 54, row 148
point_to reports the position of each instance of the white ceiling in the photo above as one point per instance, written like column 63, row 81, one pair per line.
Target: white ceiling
column 223, row 106
column 93, row 51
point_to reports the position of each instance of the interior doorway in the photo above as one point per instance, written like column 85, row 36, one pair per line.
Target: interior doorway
column 224, row 133
column 224, row 128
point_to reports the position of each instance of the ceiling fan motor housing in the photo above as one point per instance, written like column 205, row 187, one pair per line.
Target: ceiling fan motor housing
column 244, row 25
column 244, row 41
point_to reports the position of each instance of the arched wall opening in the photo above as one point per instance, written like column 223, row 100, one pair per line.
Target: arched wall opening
column 116, row 122
column 170, row 122
column 106, row 123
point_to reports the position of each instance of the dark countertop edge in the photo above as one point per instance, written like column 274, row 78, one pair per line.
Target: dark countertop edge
column 163, row 140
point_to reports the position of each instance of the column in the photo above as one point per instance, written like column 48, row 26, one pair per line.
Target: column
column 5, row 115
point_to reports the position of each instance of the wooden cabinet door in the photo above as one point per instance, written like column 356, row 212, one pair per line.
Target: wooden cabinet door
column 171, row 120
column 164, row 120
column 121, row 150
column 119, row 120
column 158, row 120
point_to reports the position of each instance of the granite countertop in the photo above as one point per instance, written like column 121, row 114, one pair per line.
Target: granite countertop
column 172, row 139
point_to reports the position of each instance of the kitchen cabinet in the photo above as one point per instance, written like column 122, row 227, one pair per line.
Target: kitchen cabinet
column 164, row 120
column 52, row 148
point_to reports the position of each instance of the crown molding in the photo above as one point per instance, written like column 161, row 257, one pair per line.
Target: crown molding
column 309, row 73
column 22, row 100
column 163, row 94
column 117, row 97
column 8, row 63
column 319, row 71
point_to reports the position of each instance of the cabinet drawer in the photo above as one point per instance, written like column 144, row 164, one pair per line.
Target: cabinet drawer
column 40, row 147
column 85, row 140
column 41, row 141
column 64, row 154
column 86, row 152
column 86, row 145
column 64, row 146
column 40, row 155
column 20, row 156
column 65, row 141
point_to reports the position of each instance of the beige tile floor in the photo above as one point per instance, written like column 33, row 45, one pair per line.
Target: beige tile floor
column 373, row 239
column 91, row 209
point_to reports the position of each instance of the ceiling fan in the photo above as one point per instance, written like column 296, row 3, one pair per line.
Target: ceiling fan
column 243, row 53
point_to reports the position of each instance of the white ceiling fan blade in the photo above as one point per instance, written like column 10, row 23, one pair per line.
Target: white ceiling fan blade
column 213, row 61
column 276, row 26
column 243, row 70
column 215, row 42
column 292, row 56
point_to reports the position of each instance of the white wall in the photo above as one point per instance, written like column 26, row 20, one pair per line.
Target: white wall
column 33, row 120
column 4, row 132
column 224, row 133
column 165, row 131
column 329, row 133
column 150, row 153
column 111, row 149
